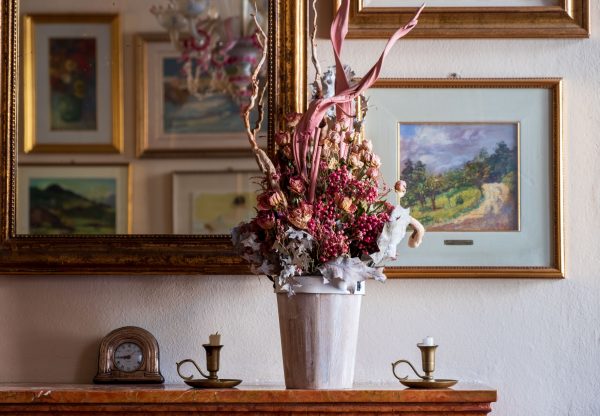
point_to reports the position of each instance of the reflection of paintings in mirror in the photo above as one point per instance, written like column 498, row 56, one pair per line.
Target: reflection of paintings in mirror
column 72, row 205
column 185, row 113
column 72, row 84
column 81, row 200
column 219, row 213
column 461, row 176
column 213, row 202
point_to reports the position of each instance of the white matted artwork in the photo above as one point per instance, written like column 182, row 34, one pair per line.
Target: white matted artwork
column 72, row 83
column 466, row 147
column 213, row 202
column 73, row 199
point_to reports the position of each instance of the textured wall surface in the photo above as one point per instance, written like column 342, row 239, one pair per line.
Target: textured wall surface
column 538, row 342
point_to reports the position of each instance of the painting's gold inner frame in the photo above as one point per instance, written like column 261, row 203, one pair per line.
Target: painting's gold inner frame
column 556, row 269
column 29, row 85
column 569, row 19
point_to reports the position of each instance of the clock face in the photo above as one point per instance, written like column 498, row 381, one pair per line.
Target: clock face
column 128, row 357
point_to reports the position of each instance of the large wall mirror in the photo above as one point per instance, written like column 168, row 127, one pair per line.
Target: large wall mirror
column 122, row 146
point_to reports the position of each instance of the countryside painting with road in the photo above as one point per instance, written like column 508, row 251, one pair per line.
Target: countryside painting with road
column 462, row 176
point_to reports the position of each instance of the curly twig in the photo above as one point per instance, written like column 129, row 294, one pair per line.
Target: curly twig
column 315, row 59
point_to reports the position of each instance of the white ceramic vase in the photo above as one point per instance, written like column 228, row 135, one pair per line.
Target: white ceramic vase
column 319, row 333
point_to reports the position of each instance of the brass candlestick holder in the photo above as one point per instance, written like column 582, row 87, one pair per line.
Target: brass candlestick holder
column 427, row 381
column 212, row 380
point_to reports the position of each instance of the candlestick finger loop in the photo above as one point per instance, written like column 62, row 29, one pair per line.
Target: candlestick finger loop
column 188, row 378
column 405, row 362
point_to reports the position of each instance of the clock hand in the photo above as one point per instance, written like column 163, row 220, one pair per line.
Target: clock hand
column 125, row 357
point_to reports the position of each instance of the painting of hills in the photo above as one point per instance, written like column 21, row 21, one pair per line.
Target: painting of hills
column 72, row 206
column 461, row 176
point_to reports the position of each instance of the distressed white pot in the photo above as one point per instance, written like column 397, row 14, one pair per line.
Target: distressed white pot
column 319, row 332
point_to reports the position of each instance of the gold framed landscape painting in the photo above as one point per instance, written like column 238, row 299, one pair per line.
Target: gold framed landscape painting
column 73, row 199
column 471, row 18
column 72, row 84
column 482, row 163
column 173, row 122
column 213, row 202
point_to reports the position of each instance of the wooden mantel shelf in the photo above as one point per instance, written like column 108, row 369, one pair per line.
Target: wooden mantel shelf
column 463, row 399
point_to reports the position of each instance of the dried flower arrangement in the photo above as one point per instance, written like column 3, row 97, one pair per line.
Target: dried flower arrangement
column 323, row 209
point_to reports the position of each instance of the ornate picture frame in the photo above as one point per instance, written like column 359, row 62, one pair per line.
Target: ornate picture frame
column 84, row 199
column 74, row 62
column 146, row 254
column 514, row 227
column 212, row 202
column 562, row 19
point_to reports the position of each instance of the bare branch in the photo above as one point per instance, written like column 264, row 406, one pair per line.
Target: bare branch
column 255, row 84
column 315, row 60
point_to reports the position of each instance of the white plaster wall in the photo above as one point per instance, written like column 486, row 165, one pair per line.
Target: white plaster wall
column 537, row 342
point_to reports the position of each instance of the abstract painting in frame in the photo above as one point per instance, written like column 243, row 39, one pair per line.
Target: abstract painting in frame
column 472, row 18
column 73, row 200
column 213, row 202
column 72, row 84
column 482, row 161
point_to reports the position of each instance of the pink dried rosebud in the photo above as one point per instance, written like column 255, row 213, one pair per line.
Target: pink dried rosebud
column 292, row 119
column 373, row 173
column 262, row 201
column 301, row 215
column 265, row 220
column 297, row 185
column 282, row 138
column 347, row 205
column 400, row 187
column 367, row 145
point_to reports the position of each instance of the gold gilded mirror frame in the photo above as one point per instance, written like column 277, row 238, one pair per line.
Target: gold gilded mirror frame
column 134, row 254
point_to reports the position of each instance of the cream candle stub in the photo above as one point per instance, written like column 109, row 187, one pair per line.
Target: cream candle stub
column 428, row 341
column 214, row 339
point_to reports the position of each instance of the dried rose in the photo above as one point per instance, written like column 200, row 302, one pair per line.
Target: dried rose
column 283, row 138
column 367, row 145
column 287, row 151
column 262, row 201
column 278, row 200
column 347, row 205
column 400, row 187
column 354, row 161
column 335, row 137
column 373, row 173
column 265, row 220
column 292, row 119
column 297, row 185
column 300, row 216
column 333, row 163
column 375, row 161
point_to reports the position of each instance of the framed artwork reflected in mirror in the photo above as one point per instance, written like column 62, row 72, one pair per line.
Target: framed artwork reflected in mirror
column 148, row 242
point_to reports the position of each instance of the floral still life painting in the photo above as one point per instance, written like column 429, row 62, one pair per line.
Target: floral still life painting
column 72, row 205
column 72, row 70
column 463, row 176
